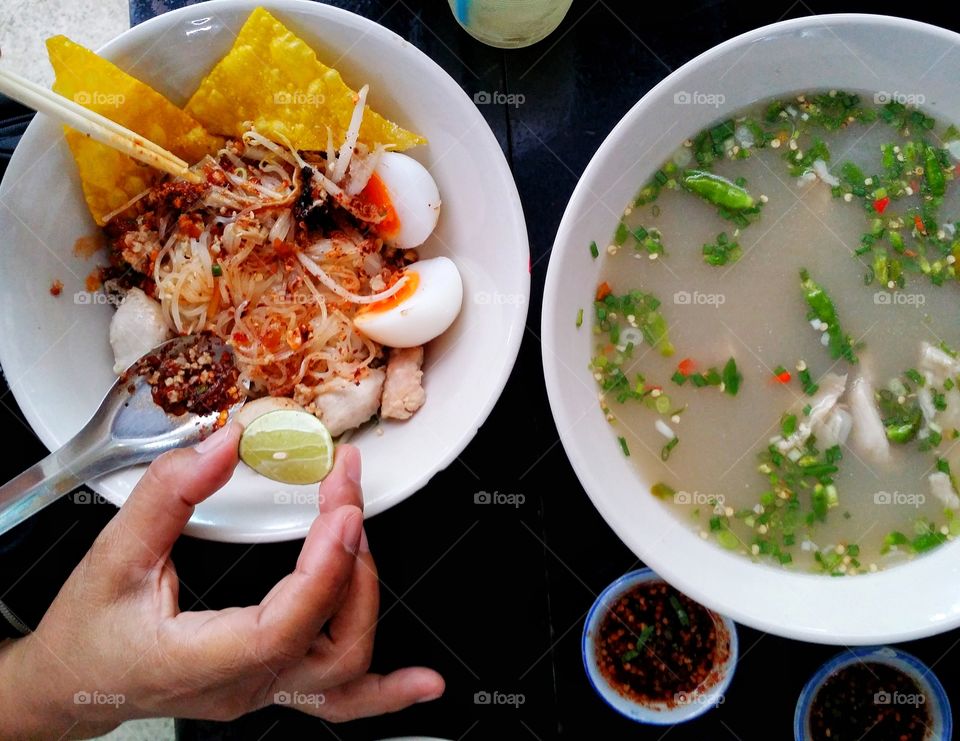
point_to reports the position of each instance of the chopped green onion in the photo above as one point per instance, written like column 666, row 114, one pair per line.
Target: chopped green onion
column 727, row 539
column 644, row 636
column 713, row 377
column 806, row 380
column 722, row 252
column 621, row 234
column 901, row 433
column 681, row 613
column 668, row 448
column 928, row 541
column 731, row 377
column 823, row 308
column 662, row 491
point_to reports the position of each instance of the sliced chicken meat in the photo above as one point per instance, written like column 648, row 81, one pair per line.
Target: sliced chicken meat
column 403, row 392
column 868, row 438
column 942, row 488
column 826, row 420
column 344, row 404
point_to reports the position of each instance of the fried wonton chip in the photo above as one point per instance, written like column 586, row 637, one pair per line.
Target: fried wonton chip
column 273, row 79
column 109, row 177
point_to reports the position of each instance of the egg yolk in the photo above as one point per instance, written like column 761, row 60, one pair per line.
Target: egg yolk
column 375, row 192
column 391, row 302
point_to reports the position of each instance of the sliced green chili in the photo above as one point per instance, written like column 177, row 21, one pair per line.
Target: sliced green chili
column 717, row 190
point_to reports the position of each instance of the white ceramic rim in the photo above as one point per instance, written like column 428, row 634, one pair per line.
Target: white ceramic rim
column 765, row 614
column 510, row 203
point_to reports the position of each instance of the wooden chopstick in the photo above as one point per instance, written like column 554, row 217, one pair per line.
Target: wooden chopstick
column 94, row 125
column 82, row 111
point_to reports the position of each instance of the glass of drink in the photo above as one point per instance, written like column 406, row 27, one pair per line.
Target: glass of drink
column 509, row 24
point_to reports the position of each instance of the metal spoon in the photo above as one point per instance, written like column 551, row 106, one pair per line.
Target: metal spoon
column 128, row 428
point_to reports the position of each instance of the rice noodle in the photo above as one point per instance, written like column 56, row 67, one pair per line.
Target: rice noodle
column 241, row 262
column 343, row 292
column 125, row 206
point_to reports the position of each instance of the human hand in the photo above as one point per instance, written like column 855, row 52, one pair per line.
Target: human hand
column 114, row 644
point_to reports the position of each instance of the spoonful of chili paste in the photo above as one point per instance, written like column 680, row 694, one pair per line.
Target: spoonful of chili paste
column 173, row 397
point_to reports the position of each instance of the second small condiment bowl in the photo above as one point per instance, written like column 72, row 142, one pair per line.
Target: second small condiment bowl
column 687, row 705
column 941, row 719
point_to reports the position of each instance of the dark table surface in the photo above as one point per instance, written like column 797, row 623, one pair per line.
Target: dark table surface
column 495, row 596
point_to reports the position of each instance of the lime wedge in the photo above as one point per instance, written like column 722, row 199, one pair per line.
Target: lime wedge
column 289, row 446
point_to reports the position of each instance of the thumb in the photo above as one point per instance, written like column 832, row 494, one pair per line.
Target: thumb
column 158, row 508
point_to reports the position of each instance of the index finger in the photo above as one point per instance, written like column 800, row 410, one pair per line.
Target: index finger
column 160, row 505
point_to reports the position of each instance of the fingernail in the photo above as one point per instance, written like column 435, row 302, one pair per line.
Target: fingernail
column 209, row 444
column 353, row 467
column 364, row 543
column 350, row 533
column 431, row 698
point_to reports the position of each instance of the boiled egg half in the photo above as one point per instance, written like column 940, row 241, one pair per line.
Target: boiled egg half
column 407, row 193
column 423, row 308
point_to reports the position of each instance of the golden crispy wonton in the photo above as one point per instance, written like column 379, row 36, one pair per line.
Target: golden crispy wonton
column 273, row 79
column 110, row 178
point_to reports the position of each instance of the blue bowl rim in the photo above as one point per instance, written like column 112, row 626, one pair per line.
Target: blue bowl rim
column 923, row 672
column 639, row 576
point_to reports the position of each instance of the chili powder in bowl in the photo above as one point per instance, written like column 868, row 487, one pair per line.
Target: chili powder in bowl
column 655, row 655
column 871, row 693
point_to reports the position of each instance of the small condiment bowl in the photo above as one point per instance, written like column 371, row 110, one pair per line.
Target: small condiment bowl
column 691, row 705
column 941, row 728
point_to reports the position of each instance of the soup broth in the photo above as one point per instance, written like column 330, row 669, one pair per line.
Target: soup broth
column 808, row 423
